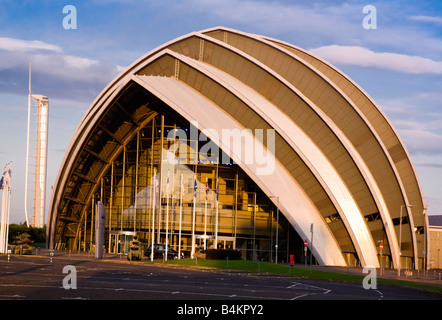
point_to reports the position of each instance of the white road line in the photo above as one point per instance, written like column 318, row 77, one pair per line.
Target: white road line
column 381, row 295
column 300, row 296
column 150, row 291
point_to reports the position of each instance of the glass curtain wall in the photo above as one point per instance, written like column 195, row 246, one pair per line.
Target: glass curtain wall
column 164, row 191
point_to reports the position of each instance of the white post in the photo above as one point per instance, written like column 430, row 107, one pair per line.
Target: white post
column 181, row 215
column 154, row 182
column 27, row 148
column 5, row 185
column 195, row 187
column 400, row 243
column 205, row 217
column 3, row 244
column 311, row 249
column 167, row 214
column 216, row 213
column 277, row 227
column 99, row 233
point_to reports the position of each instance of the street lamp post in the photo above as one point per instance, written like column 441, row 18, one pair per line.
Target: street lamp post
column 277, row 227
column 400, row 239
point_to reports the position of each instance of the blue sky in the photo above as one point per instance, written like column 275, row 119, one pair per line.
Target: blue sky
column 399, row 64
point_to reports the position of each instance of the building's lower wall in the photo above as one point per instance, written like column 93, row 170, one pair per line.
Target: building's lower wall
column 435, row 248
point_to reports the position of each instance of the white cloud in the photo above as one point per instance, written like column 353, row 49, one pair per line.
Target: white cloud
column 363, row 57
column 428, row 164
column 428, row 19
column 300, row 19
column 418, row 124
column 63, row 74
column 422, row 142
column 18, row 45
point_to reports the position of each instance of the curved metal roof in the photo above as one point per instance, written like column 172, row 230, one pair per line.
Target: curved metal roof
column 336, row 153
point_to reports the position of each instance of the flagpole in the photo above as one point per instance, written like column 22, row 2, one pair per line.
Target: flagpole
column 160, row 183
column 167, row 214
column 27, row 148
column 205, row 217
column 181, row 215
column 9, row 202
column 6, row 197
column 3, row 213
column 8, row 208
column 195, row 187
column 172, row 209
column 216, row 211
column 154, row 182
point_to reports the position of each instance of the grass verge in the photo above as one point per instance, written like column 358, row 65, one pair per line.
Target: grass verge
column 296, row 272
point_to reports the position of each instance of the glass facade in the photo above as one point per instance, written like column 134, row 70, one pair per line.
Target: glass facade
column 170, row 187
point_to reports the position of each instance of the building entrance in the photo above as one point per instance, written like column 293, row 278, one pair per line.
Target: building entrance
column 120, row 241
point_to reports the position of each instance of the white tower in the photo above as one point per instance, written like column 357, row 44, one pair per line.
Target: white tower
column 38, row 121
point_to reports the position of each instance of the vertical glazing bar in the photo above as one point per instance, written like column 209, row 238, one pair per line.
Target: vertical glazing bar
column 160, row 180
column 85, row 230
column 27, row 148
column 92, row 221
column 181, row 214
column 152, row 183
column 136, row 181
column 123, row 194
column 216, row 204
column 153, row 214
column 254, row 227
column 236, row 208
column 205, row 215
column 111, row 204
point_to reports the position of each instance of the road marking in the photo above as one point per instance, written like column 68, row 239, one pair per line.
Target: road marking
column 380, row 294
column 300, row 296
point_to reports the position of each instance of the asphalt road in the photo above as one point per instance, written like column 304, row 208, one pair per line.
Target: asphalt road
column 43, row 278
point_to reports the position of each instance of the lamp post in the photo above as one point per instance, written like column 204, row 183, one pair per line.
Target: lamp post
column 277, row 227
column 400, row 239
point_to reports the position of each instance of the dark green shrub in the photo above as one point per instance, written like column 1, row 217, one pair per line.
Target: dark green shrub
column 37, row 235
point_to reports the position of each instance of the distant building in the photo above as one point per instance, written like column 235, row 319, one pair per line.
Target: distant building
column 222, row 138
column 435, row 241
